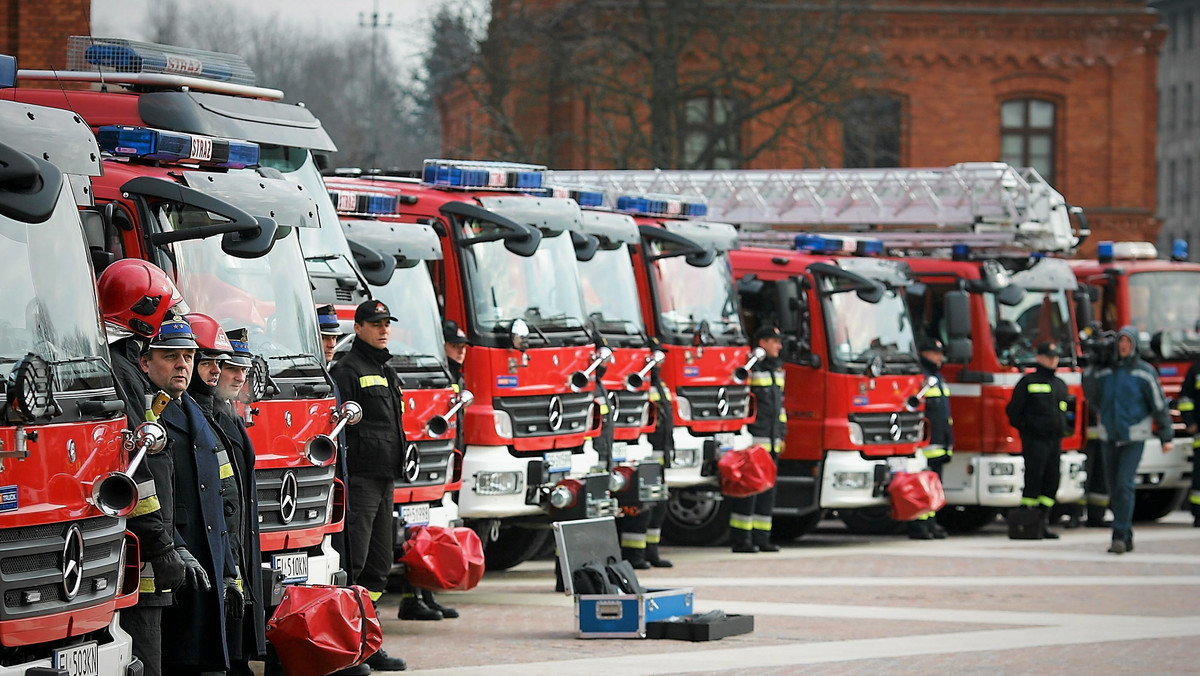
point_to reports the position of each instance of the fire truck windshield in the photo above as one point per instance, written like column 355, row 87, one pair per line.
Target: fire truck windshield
column 689, row 295
column 542, row 289
column 48, row 305
column 1042, row 315
column 269, row 296
column 417, row 338
column 1164, row 301
column 858, row 330
column 610, row 296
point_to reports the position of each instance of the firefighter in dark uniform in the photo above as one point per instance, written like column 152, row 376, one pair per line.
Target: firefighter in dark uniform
column 750, row 518
column 374, row 448
column 1189, row 395
column 662, row 440
column 1038, row 410
column 134, row 297
column 940, row 448
column 197, row 639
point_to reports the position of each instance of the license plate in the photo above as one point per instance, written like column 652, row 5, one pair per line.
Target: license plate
column 414, row 515
column 619, row 452
column 293, row 566
column 725, row 441
column 79, row 660
column 898, row 464
column 558, row 461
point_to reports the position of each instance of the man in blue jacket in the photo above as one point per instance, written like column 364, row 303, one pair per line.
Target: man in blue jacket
column 1131, row 406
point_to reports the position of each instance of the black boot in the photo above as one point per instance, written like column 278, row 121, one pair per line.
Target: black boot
column 739, row 542
column 360, row 670
column 654, row 559
column 919, row 529
column 413, row 608
column 381, row 661
column 636, row 557
column 762, row 540
column 1046, row 532
column 427, row 597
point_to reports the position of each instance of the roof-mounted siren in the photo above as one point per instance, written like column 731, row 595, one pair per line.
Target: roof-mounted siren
column 160, row 145
column 115, row 55
column 825, row 244
column 587, row 196
column 366, row 203
column 1107, row 252
column 1179, row 250
column 483, row 176
column 662, row 206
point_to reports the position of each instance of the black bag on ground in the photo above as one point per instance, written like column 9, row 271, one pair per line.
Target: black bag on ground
column 621, row 575
column 591, row 578
column 1025, row 524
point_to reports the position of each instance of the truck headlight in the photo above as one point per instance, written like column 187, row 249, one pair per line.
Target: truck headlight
column 684, row 457
column 1001, row 469
column 850, row 480
column 497, row 483
column 856, row 434
column 502, row 422
column 683, row 407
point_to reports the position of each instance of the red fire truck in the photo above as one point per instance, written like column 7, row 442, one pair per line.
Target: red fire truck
column 999, row 220
column 690, row 306
column 68, row 564
column 394, row 259
column 1129, row 285
column 508, row 277
column 183, row 187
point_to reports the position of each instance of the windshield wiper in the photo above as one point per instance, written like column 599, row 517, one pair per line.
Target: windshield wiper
column 295, row 357
column 323, row 257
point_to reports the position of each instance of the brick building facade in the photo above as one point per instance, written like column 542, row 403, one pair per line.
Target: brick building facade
column 36, row 31
column 1067, row 86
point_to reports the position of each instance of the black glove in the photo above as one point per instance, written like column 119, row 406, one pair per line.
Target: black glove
column 235, row 600
column 168, row 570
column 195, row 575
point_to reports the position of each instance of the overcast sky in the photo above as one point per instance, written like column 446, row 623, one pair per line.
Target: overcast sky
column 408, row 32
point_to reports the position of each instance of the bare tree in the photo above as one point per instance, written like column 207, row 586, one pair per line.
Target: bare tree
column 667, row 83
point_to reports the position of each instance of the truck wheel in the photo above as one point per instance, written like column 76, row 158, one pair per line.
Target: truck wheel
column 515, row 545
column 875, row 520
column 695, row 522
column 966, row 518
column 1153, row 504
column 788, row 528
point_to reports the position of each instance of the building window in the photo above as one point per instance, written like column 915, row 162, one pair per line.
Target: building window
column 1187, row 106
column 1027, row 133
column 1171, row 187
column 871, row 129
column 709, row 140
column 1186, row 189
column 1172, row 101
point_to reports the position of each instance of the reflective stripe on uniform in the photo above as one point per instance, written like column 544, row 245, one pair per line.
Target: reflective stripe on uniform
column 935, row 393
column 935, row 452
column 1062, row 406
column 762, row 522
column 1194, row 498
column 1045, row 501
column 1029, row 502
column 782, row 417
column 225, row 468
column 456, row 388
column 633, row 540
column 928, row 515
column 653, row 536
column 375, row 596
column 604, row 409
column 372, row 381
column 1186, row 405
column 147, row 506
column 741, row 522
column 654, row 396
column 1097, row 499
column 1039, row 388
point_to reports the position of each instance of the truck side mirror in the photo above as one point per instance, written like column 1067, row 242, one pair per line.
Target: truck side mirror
column 956, row 310
column 251, row 243
column 1083, row 308
column 958, row 350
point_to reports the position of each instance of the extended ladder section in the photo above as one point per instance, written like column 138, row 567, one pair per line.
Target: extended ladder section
column 988, row 205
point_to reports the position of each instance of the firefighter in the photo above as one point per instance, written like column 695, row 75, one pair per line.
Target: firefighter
column 1189, row 394
column 197, row 640
column 662, row 440
column 940, row 448
column 1128, row 398
column 1038, row 410
column 214, row 382
column 134, row 297
column 373, row 453
column 750, row 518
column 331, row 331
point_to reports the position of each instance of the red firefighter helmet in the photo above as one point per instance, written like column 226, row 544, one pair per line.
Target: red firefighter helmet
column 211, row 338
column 135, row 295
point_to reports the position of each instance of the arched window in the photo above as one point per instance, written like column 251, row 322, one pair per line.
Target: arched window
column 1027, row 132
column 871, row 132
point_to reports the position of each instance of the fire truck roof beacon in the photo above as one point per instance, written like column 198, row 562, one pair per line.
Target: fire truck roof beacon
column 170, row 146
column 823, row 244
column 473, row 175
column 673, row 206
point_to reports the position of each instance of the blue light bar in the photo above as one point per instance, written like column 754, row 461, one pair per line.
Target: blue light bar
column 359, row 202
column 144, row 143
column 960, row 252
column 586, row 197
column 169, row 146
column 130, row 59
column 1104, row 251
column 475, row 175
column 672, row 206
column 1179, row 250
column 823, row 244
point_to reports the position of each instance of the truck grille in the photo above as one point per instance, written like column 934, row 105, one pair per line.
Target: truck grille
column 889, row 428
column 433, row 462
column 532, row 416
column 629, row 407
column 33, row 560
column 311, row 497
column 707, row 401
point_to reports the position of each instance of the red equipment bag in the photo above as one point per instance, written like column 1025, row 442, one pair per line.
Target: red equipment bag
column 443, row 559
column 746, row 472
column 915, row 494
column 320, row 629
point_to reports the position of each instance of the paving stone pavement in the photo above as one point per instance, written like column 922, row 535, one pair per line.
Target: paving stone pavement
column 834, row 603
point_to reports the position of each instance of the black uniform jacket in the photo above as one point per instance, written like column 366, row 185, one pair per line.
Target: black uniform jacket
column 377, row 442
column 1039, row 404
column 937, row 408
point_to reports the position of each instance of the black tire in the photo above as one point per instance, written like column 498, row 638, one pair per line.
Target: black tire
column 871, row 521
column 1153, row 504
column 966, row 518
column 788, row 528
column 514, row 546
column 695, row 522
